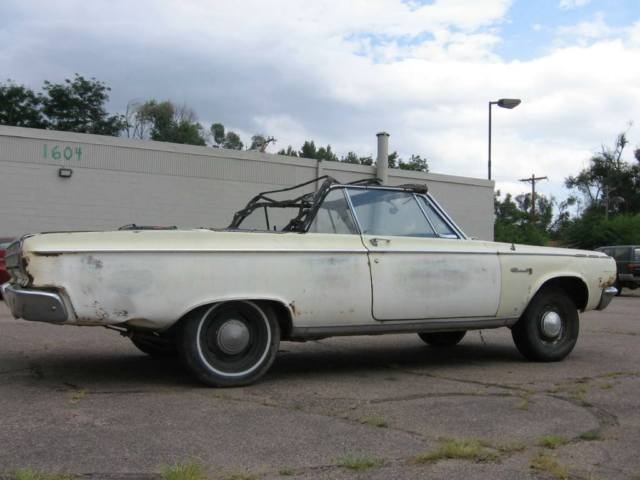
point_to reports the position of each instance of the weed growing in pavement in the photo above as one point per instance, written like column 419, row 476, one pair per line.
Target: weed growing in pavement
column 590, row 435
column 543, row 462
column 29, row 474
column 510, row 447
column 190, row 470
column 374, row 421
column 358, row 464
column 552, row 441
column 451, row 448
column 78, row 395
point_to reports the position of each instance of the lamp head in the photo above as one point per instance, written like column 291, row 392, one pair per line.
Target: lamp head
column 508, row 102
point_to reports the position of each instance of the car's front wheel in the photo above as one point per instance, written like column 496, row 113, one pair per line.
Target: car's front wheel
column 548, row 329
column 229, row 344
column 442, row 339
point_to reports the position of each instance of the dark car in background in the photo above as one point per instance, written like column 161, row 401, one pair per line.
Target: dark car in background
column 4, row 275
column 627, row 259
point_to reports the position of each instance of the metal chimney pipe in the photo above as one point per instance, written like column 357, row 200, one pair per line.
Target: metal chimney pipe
column 382, row 159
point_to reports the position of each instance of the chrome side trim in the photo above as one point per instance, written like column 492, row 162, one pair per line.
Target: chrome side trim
column 607, row 294
column 34, row 305
column 404, row 327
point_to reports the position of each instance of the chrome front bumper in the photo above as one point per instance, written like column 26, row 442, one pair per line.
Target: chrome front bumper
column 35, row 305
column 607, row 294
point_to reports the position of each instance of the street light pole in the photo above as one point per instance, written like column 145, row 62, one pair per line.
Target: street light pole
column 489, row 163
column 503, row 103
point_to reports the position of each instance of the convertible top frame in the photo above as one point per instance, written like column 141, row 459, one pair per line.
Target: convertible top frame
column 308, row 203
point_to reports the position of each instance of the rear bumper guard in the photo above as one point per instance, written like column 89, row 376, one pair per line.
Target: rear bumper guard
column 34, row 305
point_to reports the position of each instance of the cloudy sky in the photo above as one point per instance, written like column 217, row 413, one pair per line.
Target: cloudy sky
column 339, row 71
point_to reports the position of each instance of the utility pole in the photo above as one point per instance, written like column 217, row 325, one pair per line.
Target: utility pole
column 533, row 181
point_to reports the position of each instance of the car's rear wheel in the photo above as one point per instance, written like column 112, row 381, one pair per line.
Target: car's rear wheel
column 442, row 339
column 229, row 344
column 548, row 329
column 155, row 345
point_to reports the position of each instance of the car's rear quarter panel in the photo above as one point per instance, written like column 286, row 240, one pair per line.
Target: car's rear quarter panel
column 321, row 279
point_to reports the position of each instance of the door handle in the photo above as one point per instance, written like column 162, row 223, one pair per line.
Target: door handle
column 377, row 242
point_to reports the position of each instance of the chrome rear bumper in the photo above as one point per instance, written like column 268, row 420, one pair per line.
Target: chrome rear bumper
column 35, row 305
column 607, row 294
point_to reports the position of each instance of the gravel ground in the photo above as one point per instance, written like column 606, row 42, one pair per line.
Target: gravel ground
column 84, row 401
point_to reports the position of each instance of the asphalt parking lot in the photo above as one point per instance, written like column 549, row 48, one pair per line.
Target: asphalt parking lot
column 84, row 401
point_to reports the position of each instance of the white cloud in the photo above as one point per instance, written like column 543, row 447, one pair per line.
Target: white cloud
column 569, row 4
column 338, row 72
column 587, row 31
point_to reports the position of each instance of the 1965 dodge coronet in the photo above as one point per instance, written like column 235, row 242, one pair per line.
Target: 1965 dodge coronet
column 355, row 259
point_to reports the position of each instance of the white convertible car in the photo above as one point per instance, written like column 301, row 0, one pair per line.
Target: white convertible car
column 355, row 259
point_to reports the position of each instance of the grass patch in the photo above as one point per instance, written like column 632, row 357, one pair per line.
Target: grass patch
column 374, row 421
column 451, row 448
column 359, row 464
column 523, row 403
column 29, row 474
column 547, row 464
column 78, row 395
column 590, row 435
column 286, row 472
column 510, row 447
column 606, row 386
column 190, row 470
column 552, row 441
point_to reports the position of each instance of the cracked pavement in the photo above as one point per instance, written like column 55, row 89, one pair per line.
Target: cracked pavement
column 84, row 401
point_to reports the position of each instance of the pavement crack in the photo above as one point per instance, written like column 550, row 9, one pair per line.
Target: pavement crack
column 418, row 396
column 462, row 380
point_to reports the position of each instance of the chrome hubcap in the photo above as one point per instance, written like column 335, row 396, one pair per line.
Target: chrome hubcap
column 233, row 337
column 551, row 324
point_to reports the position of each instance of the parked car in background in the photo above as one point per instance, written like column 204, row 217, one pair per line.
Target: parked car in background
column 627, row 259
column 345, row 259
column 4, row 275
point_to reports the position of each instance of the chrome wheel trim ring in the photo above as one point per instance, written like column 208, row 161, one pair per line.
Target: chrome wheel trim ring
column 204, row 359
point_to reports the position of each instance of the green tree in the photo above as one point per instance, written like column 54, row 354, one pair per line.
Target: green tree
column 592, row 230
column 416, row 163
column 226, row 139
column 325, row 153
column 394, row 159
column 232, row 141
column 289, row 151
column 20, row 106
column 78, row 105
column 513, row 222
column 308, row 150
column 166, row 122
column 353, row 158
column 609, row 185
column 217, row 132
column 260, row 142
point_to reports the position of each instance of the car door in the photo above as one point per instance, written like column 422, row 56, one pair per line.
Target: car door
column 415, row 272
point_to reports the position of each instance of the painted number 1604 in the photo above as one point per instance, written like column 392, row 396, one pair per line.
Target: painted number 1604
column 57, row 152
